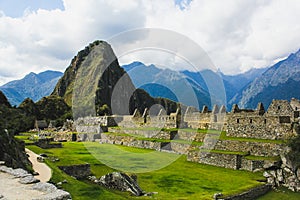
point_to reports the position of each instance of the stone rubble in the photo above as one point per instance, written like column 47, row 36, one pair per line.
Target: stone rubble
column 120, row 181
column 283, row 175
column 50, row 191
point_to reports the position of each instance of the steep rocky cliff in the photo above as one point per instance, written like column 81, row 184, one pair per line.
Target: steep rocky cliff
column 95, row 77
column 11, row 150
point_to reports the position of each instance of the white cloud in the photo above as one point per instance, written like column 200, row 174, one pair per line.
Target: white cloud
column 236, row 34
column 49, row 39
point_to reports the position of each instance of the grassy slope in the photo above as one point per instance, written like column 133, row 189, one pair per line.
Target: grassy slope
column 179, row 180
column 281, row 193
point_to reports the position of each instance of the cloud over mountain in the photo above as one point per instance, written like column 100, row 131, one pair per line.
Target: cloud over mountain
column 237, row 35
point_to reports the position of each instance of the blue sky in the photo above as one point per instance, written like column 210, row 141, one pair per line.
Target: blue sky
column 16, row 8
column 237, row 35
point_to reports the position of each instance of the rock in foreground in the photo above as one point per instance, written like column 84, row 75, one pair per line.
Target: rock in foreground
column 19, row 184
column 122, row 182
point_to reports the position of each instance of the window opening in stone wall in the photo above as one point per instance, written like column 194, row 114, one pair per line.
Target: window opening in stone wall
column 265, row 121
column 284, row 119
column 296, row 108
column 215, row 118
column 250, row 121
column 278, row 107
column 237, row 120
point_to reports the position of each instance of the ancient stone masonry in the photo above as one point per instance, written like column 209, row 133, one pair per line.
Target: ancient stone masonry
column 47, row 143
column 276, row 123
column 258, row 133
column 253, row 148
column 248, row 195
column 77, row 171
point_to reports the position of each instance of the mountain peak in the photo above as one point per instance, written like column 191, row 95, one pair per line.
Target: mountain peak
column 280, row 81
column 30, row 75
column 100, row 65
column 133, row 65
column 32, row 85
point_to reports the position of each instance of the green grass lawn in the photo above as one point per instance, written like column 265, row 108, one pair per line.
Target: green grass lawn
column 179, row 180
column 281, row 194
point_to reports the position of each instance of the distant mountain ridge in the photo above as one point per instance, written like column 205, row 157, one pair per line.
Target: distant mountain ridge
column 280, row 81
column 160, row 82
column 34, row 86
column 167, row 83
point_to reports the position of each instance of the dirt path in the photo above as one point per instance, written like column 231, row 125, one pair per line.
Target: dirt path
column 43, row 169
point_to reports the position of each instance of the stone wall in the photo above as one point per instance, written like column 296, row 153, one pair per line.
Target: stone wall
column 217, row 159
column 77, row 171
column 227, row 160
column 129, row 141
column 175, row 147
column 180, row 148
column 254, row 148
column 250, row 194
column 88, row 137
column 47, row 143
column 64, row 136
column 163, row 121
column 295, row 103
column 189, row 135
column 279, row 108
column 251, row 165
column 197, row 120
column 250, row 125
column 147, row 133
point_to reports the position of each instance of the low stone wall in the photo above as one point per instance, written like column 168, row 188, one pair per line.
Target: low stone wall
column 88, row 129
column 225, row 160
column 175, row 147
column 64, row 136
column 251, row 165
column 129, row 141
column 77, row 171
column 188, row 135
column 180, row 148
column 143, row 133
column 47, row 143
column 254, row 148
column 250, row 194
column 217, row 159
column 88, row 137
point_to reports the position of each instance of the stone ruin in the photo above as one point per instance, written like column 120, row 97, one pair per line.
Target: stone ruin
column 250, row 135
column 260, row 126
column 274, row 123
